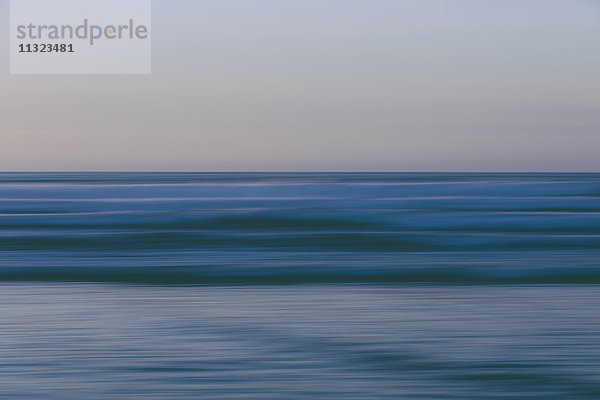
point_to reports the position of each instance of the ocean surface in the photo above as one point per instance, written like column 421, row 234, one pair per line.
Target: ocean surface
column 299, row 286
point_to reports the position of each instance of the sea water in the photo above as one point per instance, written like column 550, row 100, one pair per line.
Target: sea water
column 299, row 286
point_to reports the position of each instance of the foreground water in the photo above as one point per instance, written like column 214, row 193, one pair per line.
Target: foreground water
column 82, row 341
column 298, row 286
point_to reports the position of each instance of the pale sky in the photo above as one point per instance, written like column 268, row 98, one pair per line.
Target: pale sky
column 326, row 85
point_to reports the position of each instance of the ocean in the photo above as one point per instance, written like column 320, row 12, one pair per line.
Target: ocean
column 299, row 286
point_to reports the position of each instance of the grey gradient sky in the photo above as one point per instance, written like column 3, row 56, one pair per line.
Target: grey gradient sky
column 334, row 85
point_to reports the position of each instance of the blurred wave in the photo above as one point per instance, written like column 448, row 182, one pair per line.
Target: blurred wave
column 275, row 228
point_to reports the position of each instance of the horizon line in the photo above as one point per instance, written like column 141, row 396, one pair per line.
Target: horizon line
column 296, row 172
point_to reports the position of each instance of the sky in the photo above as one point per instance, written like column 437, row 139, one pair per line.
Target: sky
column 325, row 85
